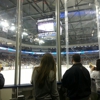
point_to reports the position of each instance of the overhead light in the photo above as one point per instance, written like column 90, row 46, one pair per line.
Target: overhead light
column 12, row 28
column 36, row 39
column 5, row 29
column 9, row 43
column 12, row 24
column 4, row 23
column 91, row 34
column 74, row 7
column 24, row 33
column 89, row 4
column 99, row 34
column 41, row 42
column 25, row 29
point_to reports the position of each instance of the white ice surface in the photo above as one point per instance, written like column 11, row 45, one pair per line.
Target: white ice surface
column 25, row 75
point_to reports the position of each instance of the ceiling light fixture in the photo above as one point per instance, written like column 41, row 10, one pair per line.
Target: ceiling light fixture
column 25, row 29
column 74, row 7
column 4, row 23
column 41, row 42
column 24, row 33
column 36, row 39
column 12, row 28
column 89, row 4
column 9, row 43
column 99, row 34
column 12, row 24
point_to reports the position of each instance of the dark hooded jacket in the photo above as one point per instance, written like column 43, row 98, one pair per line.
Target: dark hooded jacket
column 2, row 81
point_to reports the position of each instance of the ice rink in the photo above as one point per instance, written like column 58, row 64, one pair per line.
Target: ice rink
column 9, row 76
column 25, row 75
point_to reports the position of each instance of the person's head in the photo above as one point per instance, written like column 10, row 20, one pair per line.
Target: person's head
column 47, row 64
column 1, row 68
column 76, row 58
column 98, row 64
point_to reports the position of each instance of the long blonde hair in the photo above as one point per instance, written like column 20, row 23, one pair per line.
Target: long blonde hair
column 47, row 64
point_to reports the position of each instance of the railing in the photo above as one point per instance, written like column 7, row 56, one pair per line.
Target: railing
column 17, row 86
column 22, row 85
column 24, row 91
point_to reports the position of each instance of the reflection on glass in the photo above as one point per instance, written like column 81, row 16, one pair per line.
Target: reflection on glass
column 7, row 40
column 39, row 36
column 7, row 61
column 82, row 34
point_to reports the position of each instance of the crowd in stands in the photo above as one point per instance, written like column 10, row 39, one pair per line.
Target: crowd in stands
column 85, row 59
column 26, row 60
column 8, row 60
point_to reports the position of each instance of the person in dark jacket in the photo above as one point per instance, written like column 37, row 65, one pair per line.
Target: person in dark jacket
column 77, row 80
column 2, row 80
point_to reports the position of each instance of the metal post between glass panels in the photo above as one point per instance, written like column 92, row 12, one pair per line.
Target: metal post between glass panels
column 98, row 22
column 66, row 33
column 18, row 42
column 58, row 39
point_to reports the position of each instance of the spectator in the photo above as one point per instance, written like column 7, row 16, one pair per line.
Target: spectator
column 95, row 74
column 2, row 81
column 44, row 79
column 77, row 80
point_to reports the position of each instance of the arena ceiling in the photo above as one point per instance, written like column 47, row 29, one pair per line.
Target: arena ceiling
column 82, row 26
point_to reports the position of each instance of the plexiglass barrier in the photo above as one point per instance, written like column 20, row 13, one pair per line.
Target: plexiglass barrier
column 78, row 32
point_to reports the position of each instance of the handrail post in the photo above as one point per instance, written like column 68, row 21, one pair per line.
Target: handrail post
column 97, row 4
column 58, row 48
column 66, row 33
column 18, row 43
